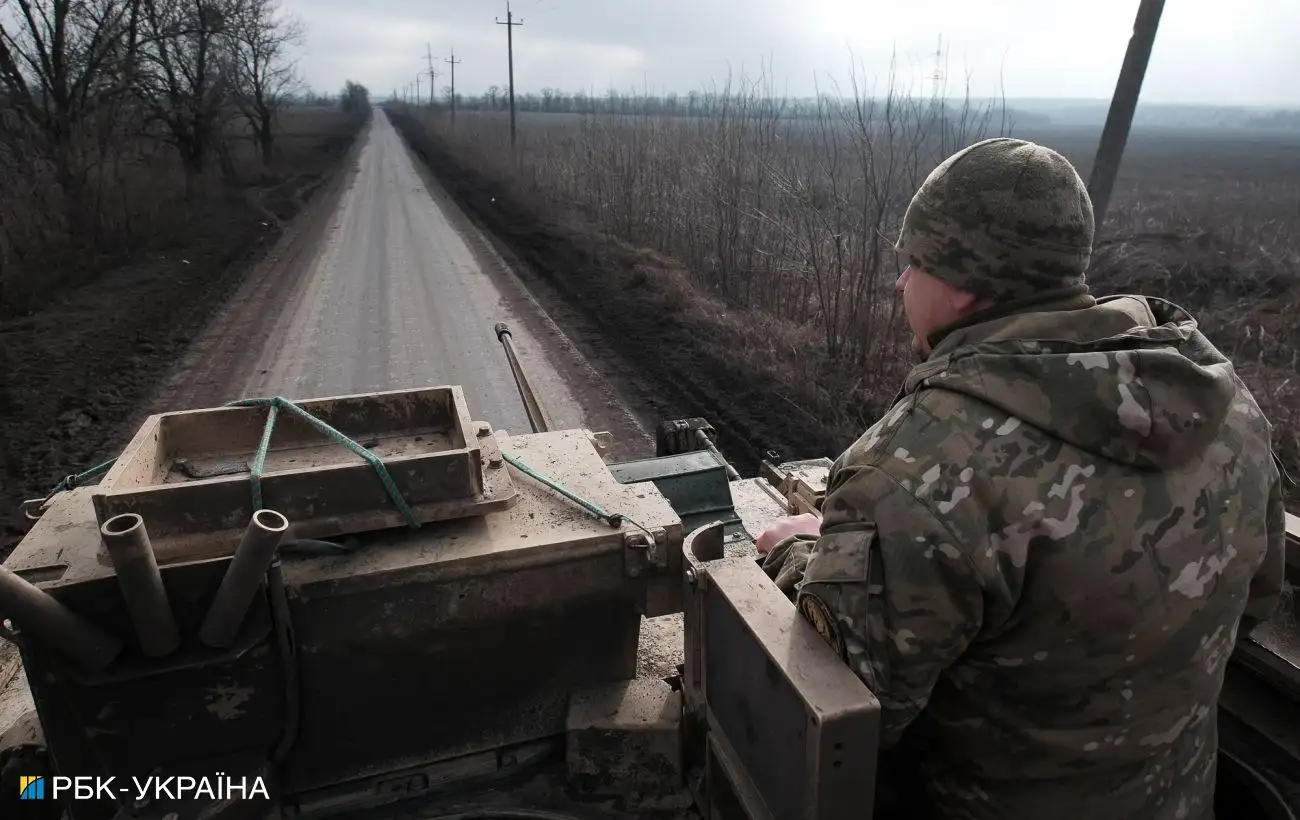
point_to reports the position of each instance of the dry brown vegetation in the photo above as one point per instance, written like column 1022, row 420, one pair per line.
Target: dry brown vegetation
column 760, row 240
column 123, row 121
column 149, row 150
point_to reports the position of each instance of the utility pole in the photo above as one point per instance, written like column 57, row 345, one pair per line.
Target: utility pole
column 510, row 50
column 453, row 62
column 937, row 74
column 1114, row 136
column 417, row 89
column 433, row 76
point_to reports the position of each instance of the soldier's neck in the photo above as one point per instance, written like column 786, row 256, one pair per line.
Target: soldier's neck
column 1076, row 297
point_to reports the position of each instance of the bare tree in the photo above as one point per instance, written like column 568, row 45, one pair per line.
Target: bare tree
column 60, row 62
column 184, row 78
column 261, row 38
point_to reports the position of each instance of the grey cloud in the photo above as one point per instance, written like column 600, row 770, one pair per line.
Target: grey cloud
column 1024, row 47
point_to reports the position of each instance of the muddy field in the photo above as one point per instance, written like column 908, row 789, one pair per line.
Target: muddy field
column 81, row 371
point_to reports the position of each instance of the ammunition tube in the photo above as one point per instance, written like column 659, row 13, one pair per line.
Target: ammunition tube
column 141, row 584
column 39, row 614
column 244, row 575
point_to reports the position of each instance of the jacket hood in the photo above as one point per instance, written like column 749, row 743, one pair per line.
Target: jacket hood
column 1129, row 378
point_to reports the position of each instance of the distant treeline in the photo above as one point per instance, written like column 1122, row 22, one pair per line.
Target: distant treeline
column 1024, row 112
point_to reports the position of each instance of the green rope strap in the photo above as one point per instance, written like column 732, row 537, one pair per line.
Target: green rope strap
column 72, row 482
column 274, row 405
column 613, row 519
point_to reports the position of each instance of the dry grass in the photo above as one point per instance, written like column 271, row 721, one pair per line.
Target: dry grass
column 771, row 236
column 135, row 199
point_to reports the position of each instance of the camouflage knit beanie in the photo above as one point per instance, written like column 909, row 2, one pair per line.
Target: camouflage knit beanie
column 1003, row 219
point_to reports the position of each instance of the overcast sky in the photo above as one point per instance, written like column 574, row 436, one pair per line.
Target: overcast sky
column 1241, row 52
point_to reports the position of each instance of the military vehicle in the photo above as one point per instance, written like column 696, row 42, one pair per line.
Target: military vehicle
column 376, row 606
column 244, row 601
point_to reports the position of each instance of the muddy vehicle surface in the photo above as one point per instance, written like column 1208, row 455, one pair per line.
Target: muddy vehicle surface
column 378, row 606
column 244, row 601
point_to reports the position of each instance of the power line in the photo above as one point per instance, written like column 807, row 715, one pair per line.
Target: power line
column 510, row 50
column 453, row 62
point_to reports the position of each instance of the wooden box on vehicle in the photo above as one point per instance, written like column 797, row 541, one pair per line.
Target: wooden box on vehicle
column 187, row 474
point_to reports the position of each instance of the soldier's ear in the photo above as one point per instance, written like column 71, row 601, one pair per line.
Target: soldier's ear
column 961, row 301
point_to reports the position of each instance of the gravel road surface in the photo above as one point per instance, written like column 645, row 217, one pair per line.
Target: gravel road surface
column 385, row 285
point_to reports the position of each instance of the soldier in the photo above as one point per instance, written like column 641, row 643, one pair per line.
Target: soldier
column 1040, row 558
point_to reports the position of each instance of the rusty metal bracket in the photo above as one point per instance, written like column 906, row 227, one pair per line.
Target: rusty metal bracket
column 643, row 553
column 602, row 440
column 636, row 553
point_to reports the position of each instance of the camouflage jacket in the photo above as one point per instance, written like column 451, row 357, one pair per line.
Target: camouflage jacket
column 1039, row 558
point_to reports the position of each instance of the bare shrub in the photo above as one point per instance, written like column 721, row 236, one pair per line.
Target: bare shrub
column 775, row 218
column 779, row 212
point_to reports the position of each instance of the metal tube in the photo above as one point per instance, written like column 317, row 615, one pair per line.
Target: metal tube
column 247, row 568
column 133, row 559
column 38, row 613
column 703, row 438
column 536, row 416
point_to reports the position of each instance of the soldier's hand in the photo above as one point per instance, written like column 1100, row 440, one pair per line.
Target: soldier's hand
column 806, row 524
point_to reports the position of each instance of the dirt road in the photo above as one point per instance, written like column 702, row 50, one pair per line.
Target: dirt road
column 383, row 285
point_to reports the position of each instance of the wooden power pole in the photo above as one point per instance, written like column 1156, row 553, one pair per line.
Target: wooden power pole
column 510, row 50
column 432, row 85
column 1101, row 182
column 453, row 62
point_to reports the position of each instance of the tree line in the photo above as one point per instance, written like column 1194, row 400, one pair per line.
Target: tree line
column 176, row 70
column 702, row 104
column 97, row 95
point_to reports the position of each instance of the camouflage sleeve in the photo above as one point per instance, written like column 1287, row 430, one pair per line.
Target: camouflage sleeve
column 1266, row 586
column 892, row 591
column 786, row 562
